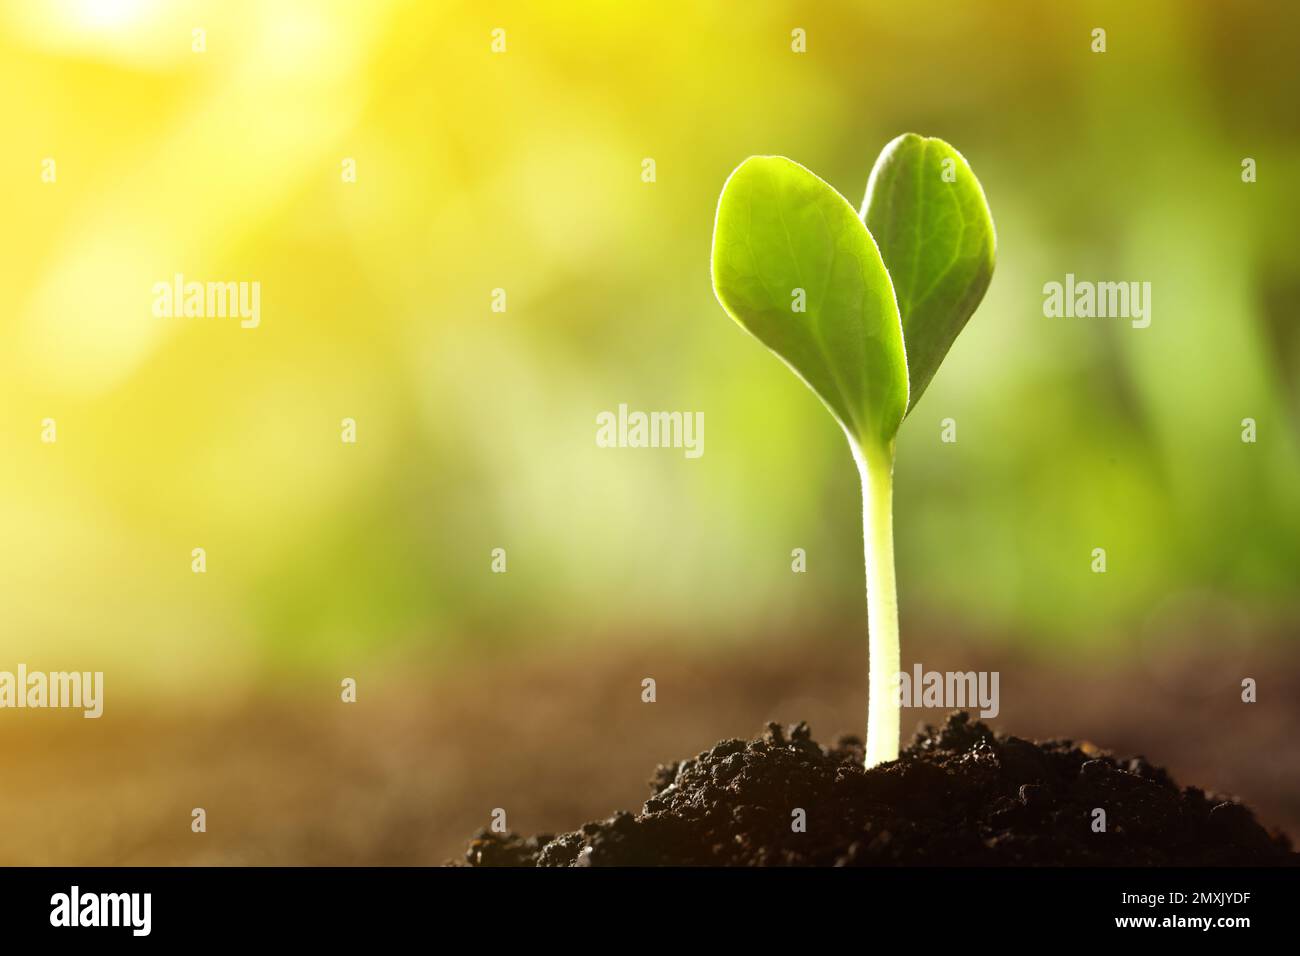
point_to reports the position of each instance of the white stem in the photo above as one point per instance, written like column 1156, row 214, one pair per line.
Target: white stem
column 877, row 470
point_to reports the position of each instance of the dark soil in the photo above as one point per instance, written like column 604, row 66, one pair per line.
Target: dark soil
column 959, row 795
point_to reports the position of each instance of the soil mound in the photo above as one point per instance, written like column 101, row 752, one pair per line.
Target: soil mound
column 959, row 795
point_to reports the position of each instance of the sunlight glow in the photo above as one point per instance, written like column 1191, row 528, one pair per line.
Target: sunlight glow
column 111, row 13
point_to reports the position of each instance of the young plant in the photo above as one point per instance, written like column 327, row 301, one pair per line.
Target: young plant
column 863, row 308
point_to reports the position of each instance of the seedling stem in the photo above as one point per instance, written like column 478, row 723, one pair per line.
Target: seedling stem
column 877, row 470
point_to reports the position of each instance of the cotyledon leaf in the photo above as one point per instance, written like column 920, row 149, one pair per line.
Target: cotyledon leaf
column 795, row 266
column 928, row 215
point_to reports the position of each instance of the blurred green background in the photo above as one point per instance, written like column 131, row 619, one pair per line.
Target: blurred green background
column 476, row 429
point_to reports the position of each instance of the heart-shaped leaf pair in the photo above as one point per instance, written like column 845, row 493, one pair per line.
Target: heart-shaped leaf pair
column 864, row 321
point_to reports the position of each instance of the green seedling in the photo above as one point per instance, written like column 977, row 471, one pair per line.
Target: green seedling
column 863, row 308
